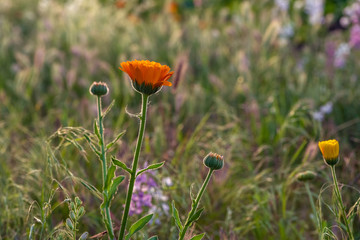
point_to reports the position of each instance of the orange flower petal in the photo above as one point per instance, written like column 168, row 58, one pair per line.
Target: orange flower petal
column 166, row 83
column 150, row 73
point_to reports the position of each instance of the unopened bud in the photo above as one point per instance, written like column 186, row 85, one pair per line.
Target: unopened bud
column 305, row 176
column 214, row 161
column 99, row 89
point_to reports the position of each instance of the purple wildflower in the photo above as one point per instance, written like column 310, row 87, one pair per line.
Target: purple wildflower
column 355, row 36
column 324, row 110
column 341, row 54
column 147, row 191
column 142, row 196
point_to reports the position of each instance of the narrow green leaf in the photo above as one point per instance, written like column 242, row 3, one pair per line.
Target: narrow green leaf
column 138, row 225
column 96, row 130
column 175, row 215
column 198, row 237
column 110, row 175
column 196, row 215
column 104, row 204
column 121, row 164
column 108, row 108
column 92, row 145
column 153, row 238
column 114, row 185
column 92, row 189
column 150, row 167
column 115, row 140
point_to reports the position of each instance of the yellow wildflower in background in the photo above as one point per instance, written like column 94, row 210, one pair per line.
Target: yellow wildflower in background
column 330, row 151
column 147, row 77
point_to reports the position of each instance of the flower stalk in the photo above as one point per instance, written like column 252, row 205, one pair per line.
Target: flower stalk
column 106, row 209
column 134, row 165
column 195, row 204
column 330, row 152
column 340, row 202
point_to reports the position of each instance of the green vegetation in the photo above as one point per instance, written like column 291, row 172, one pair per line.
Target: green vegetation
column 242, row 88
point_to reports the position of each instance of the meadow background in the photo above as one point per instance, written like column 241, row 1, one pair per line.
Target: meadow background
column 259, row 82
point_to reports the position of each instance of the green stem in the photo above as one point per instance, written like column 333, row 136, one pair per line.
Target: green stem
column 195, row 205
column 134, row 165
column 75, row 229
column 339, row 198
column 316, row 215
column 104, row 167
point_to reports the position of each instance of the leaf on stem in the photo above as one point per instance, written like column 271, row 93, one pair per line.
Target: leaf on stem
column 175, row 215
column 114, row 185
column 138, row 115
column 92, row 189
column 195, row 216
column 108, row 108
column 198, row 237
column 110, row 176
column 115, row 140
column 120, row 164
column 96, row 130
column 138, row 225
column 150, row 167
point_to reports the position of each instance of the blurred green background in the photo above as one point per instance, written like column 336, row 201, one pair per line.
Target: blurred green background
column 259, row 82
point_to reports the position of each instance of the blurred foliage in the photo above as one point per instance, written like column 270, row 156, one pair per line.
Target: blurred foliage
column 241, row 88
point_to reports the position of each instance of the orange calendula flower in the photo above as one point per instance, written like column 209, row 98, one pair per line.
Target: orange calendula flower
column 330, row 151
column 147, row 77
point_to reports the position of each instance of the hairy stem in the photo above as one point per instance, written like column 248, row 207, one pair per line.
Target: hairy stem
column 134, row 165
column 195, row 205
column 104, row 168
column 340, row 201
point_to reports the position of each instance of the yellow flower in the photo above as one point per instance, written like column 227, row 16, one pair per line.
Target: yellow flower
column 330, row 151
column 147, row 77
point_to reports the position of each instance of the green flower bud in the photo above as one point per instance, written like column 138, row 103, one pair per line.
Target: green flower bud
column 99, row 89
column 72, row 206
column 214, row 161
column 81, row 211
column 78, row 201
column 72, row 215
column 305, row 176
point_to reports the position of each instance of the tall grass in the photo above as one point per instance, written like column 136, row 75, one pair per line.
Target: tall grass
column 243, row 91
